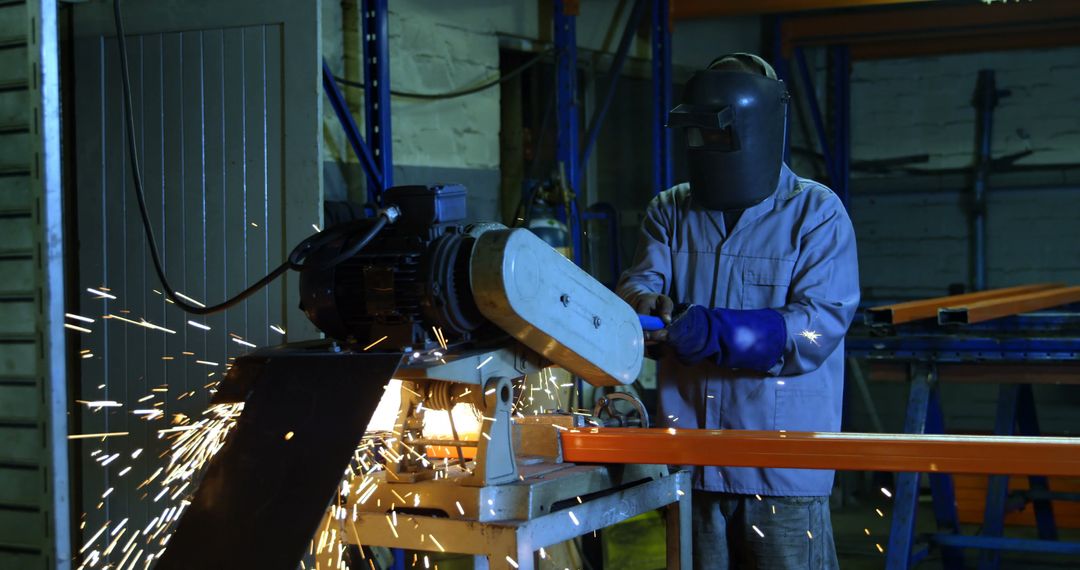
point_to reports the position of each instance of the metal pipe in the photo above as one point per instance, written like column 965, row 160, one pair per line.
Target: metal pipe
column 564, row 22
column 1006, row 455
column 985, row 99
column 375, row 28
column 632, row 23
column 980, row 311
column 662, row 98
column 352, row 131
column 842, row 121
column 928, row 308
column 815, row 114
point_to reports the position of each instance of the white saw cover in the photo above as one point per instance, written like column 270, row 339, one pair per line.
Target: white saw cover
column 555, row 308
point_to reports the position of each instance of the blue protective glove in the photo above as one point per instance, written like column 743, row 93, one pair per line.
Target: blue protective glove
column 751, row 339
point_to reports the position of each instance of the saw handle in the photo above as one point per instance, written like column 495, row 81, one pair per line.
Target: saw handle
column 650, row 323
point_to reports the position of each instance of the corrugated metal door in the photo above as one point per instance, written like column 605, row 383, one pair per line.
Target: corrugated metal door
column 227, row 114
column 34, row 498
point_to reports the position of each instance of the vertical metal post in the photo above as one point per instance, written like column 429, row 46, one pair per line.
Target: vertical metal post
column 566, row 110
column 942, row 489
column 47, row 179
column 905, row 508
column 985, row 99
column 377, row 93
column 783, row 73
column 352, row 132
column 816, row 116
column 662, row 103
column 615, row 71
column 1027, row 421
column 997, row 492
column 841, row 120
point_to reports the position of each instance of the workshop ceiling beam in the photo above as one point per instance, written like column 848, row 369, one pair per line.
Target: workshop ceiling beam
column 706, row 9
column 931, row 29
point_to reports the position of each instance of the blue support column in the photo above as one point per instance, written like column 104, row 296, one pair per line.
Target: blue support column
column 783, row 73
column 615, row 71
column 352, row 132
column 567, row 114
column 842, row 120
column 816, row 116
column 1028, row 424
column 905, row 508
column 662, row 99
column 997, row 491
column 377, row 94
column 942, row 490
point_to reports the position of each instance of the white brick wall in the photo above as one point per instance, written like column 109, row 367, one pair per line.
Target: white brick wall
column 923, row 105
column 914, row 244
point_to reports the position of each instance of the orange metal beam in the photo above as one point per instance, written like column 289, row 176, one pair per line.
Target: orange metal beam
column 704, row 9
column 980, row 311
column 928, row 308
column 927, row 29
column 819, row 450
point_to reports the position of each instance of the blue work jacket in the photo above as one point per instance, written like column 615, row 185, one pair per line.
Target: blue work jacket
column 793, row 252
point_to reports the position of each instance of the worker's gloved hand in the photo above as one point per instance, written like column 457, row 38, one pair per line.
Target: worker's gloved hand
column 657, row 305
column 750, row 339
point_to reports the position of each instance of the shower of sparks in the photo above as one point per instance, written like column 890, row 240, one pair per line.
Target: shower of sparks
column 189, row 299
column 315, row 227
column 198, row 325
column 879, row 513
column 439, row 336
column 879, row 548
column 77, row 328
column 811, row 336
column 78, row 317
column 757, row 530
column 511, row 561
column 486, row 360
column 886, row 492
column 191, row 441
column 368, row 347
column 97, row 435
column 100, row 294
column 141, row 323
column 809, row 535
column 573, row 517
column 99, row 403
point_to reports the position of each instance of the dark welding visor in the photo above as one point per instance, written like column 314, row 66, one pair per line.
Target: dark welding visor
column 707, row 126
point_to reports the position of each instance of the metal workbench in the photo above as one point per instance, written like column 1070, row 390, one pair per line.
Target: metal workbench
column 1015, row 353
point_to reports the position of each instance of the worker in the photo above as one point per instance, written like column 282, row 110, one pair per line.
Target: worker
column 759, row 268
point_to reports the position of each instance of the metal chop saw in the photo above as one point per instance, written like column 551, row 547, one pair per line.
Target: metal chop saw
column 457, row 312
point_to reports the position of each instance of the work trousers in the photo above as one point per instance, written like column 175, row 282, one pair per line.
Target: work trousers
column 747, row 532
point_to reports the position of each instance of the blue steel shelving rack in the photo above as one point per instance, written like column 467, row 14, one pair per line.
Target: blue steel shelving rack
column 375, row 153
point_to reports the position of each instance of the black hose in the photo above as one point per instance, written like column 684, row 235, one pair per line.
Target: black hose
column 462, row 92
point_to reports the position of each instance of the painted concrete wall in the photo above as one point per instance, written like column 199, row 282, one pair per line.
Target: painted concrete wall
column 913, row 230
column 439, row 46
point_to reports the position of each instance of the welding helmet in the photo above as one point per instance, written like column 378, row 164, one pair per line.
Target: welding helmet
column 733, row 117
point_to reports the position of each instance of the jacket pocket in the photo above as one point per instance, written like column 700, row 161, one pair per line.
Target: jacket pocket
column 801, row 410
column 766, row 283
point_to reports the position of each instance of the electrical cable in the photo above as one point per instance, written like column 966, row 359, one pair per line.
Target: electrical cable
column 386, row 216
column 462, row 92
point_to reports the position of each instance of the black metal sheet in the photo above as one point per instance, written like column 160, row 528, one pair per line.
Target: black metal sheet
column 262, row 496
